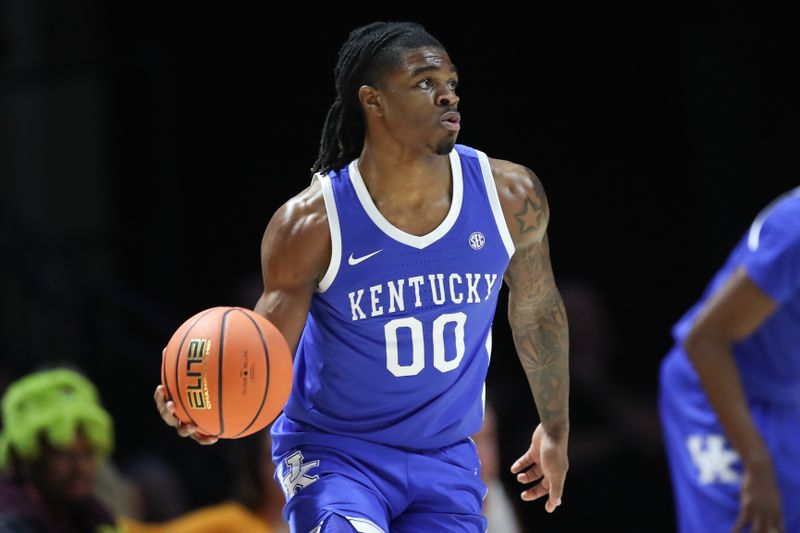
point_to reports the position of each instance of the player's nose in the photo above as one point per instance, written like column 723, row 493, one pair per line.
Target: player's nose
column 447, row 97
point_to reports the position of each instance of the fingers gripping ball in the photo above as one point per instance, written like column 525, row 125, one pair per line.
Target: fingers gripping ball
column 228, row 370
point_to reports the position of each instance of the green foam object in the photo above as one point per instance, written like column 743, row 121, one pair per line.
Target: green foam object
column 53, row 403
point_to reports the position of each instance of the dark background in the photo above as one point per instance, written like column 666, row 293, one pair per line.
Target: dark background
column 145, row 145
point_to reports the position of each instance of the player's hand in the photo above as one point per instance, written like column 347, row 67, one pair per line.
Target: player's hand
column 760, row 501
column 546, row 459
column 167, row 411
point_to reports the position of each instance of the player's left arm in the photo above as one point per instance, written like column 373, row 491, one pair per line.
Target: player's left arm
column 733, row 313
column 539, row 326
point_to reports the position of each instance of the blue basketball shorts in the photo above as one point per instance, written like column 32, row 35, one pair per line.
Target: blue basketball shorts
column 706, row 470
column 377, row 488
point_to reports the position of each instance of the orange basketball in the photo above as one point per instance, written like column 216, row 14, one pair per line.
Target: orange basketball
column 228, row 370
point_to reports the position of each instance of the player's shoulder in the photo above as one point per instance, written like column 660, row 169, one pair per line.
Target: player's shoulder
column 514, row 180
column 513, row 177
column 780, row 220
column 787, row 207
column 304, row 212
column 298, row 233
column 522, row 199
column 509, row 170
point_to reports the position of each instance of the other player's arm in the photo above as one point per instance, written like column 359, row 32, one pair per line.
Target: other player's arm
column 735, row 312
column 539, row 326
column 295, row 253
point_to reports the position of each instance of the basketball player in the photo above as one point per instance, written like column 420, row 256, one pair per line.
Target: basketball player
column 383, row 276
column 730, row 388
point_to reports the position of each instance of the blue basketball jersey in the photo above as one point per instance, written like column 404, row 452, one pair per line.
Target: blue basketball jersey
column 707, row 472
column 398, row 338
column 769, row 359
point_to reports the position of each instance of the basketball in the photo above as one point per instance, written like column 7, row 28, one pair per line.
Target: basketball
column 228, row 370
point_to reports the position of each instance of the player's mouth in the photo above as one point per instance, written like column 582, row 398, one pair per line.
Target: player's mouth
column 451, row 120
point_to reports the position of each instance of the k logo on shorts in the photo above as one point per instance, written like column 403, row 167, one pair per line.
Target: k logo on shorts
column 294, row 474
column 713, row 459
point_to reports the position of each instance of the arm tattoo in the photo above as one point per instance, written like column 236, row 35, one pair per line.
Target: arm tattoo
column 539, row 326
column 530, row 216
column 533, row 215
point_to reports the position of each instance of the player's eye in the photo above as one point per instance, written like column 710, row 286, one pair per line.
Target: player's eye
column 453, row 84
column 426, row 83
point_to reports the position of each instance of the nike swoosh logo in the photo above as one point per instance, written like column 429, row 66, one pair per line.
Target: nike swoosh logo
column 354, row 261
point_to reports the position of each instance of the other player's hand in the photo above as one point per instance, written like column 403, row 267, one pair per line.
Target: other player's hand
column 760, row 501
column 546, row 459
column 167, row 411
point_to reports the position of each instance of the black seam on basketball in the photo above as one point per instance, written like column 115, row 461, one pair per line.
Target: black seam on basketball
column 178, row 366
column 266, row 360
column 219, row 362
column 170, row 395
column 164, row 378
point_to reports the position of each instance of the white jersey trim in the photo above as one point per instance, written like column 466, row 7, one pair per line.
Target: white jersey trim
column 336, row 234
column 362, row 525
column 397, row 234
column 494, row 200
column 488, row 346
column 754, row 236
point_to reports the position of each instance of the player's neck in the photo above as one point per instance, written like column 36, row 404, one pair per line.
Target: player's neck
column 402, row 172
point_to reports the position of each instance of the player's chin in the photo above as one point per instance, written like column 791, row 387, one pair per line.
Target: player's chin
column 445, row 146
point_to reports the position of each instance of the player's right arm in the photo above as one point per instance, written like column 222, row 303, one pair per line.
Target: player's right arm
column 295, row 254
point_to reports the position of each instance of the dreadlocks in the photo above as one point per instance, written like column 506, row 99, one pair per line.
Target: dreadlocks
column 369, row 52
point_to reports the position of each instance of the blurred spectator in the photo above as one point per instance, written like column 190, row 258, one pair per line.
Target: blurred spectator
column 616, row 413
column 55, row 434
column 497, row 508
column 161, row 490
column 615, row 436
column 120, row 495
column 256, row 503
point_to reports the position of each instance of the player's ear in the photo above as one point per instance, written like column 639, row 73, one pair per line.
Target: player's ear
column 371, row 99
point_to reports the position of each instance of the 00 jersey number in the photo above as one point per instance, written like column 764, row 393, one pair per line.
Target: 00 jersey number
column 440, row 362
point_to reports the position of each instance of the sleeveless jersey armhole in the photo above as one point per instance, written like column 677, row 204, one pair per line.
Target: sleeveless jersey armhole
column 754, row 233
column 336, row 236
column 494, row 201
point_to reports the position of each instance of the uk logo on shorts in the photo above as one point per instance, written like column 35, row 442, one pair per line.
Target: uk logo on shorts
column 477, row 240
column 294, row 474
column 714, row 461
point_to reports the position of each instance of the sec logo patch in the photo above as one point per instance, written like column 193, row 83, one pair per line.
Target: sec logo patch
column 477, row 240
